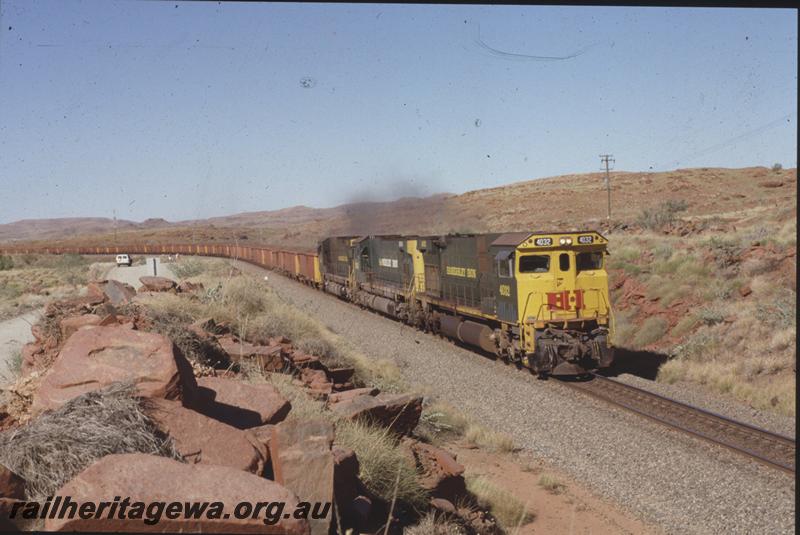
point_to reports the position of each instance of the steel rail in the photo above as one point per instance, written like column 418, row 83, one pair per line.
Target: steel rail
column 769, row 448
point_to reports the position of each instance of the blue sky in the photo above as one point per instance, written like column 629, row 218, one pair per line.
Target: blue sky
column 189, row 110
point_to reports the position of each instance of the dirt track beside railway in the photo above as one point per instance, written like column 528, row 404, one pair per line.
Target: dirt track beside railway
column 675, row 482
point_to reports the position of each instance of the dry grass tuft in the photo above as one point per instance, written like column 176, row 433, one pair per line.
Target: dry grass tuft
column 31, row 280
column 487, row 439
column 18, row 396
column 508, row 510
column 56, row 446
column 551, row 484
column 439, row 422
column 13, row 367
column 256, row 313
column 381, row 459
column 650, row 331
column 661, row 215
column 431, row 524
column 187, row 267
column 191, row 345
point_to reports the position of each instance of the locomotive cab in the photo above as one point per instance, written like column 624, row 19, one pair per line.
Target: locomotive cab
column 555, row 288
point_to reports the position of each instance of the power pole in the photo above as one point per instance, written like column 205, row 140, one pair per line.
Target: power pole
column 606, row 159
column 115, row 227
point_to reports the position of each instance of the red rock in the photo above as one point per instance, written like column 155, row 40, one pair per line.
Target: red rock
column 445, row 506
column 95, row 289
column 200, row 439
column 156, row 284
column 240, row 404
column 188, row 287
column 302, row 360
column 36, row 331
column 7, row 524
column 12, row 490
column 340, row 375
column 209, row 326
column 11, row 485
column 317, row 382
column 302, row 461
column 315, row 378
column 148, row 479
column 350, row 394
column 262, row 433
column 73, row 323
column 109, row 319
column 745, row 290
column 440, row 474
column 117, row 293
column 399, row 412
column 260, row 437
column 362, row 505
column 31, row 355
column 269, row 358
column 94, row 358
column 346, row 485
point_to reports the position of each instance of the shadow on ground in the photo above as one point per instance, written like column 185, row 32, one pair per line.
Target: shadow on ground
column 644, row 364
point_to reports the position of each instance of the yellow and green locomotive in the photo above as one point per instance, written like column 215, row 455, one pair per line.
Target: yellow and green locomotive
column 536, row 299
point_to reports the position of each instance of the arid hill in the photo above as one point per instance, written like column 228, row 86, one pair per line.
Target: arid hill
column 563, row 202
column 37, row 229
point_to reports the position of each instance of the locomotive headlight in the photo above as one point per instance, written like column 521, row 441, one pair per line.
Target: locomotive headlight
column 565, row 241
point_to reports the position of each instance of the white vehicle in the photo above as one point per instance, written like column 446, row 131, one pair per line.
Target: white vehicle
column 124, row 260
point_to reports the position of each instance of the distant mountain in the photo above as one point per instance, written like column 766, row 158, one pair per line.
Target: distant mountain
column 29, row 229
column 563, row 202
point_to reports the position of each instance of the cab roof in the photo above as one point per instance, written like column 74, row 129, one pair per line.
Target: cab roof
column 515, row 239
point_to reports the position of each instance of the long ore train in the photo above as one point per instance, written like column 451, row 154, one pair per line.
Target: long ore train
column 539, row 300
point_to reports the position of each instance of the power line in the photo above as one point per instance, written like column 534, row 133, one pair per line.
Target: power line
column 606, row 159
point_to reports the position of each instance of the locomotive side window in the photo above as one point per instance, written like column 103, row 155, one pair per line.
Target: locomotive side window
column 563, row 262
column 589, row 261
column 365, row 263
column 505, row 266
column 534, row 264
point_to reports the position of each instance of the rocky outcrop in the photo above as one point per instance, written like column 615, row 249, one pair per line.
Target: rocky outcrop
column 208, row 326
column 115, row 292
column 317, row 382
column 399, row 412
column 157, row 284
column 32, row 353
column 262, row 433
column 94, row 358
column 189, row 287
column 346, row 485
column 240, row 404
column 12, row 490
column 350, row 394
column 268, row 358
column 302, row 461
column 441, row 475
column 73, row 323
column 11, row 485
column 147, row 479
column 203, row 440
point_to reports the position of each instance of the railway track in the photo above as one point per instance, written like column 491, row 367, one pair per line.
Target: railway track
column 774, row 450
